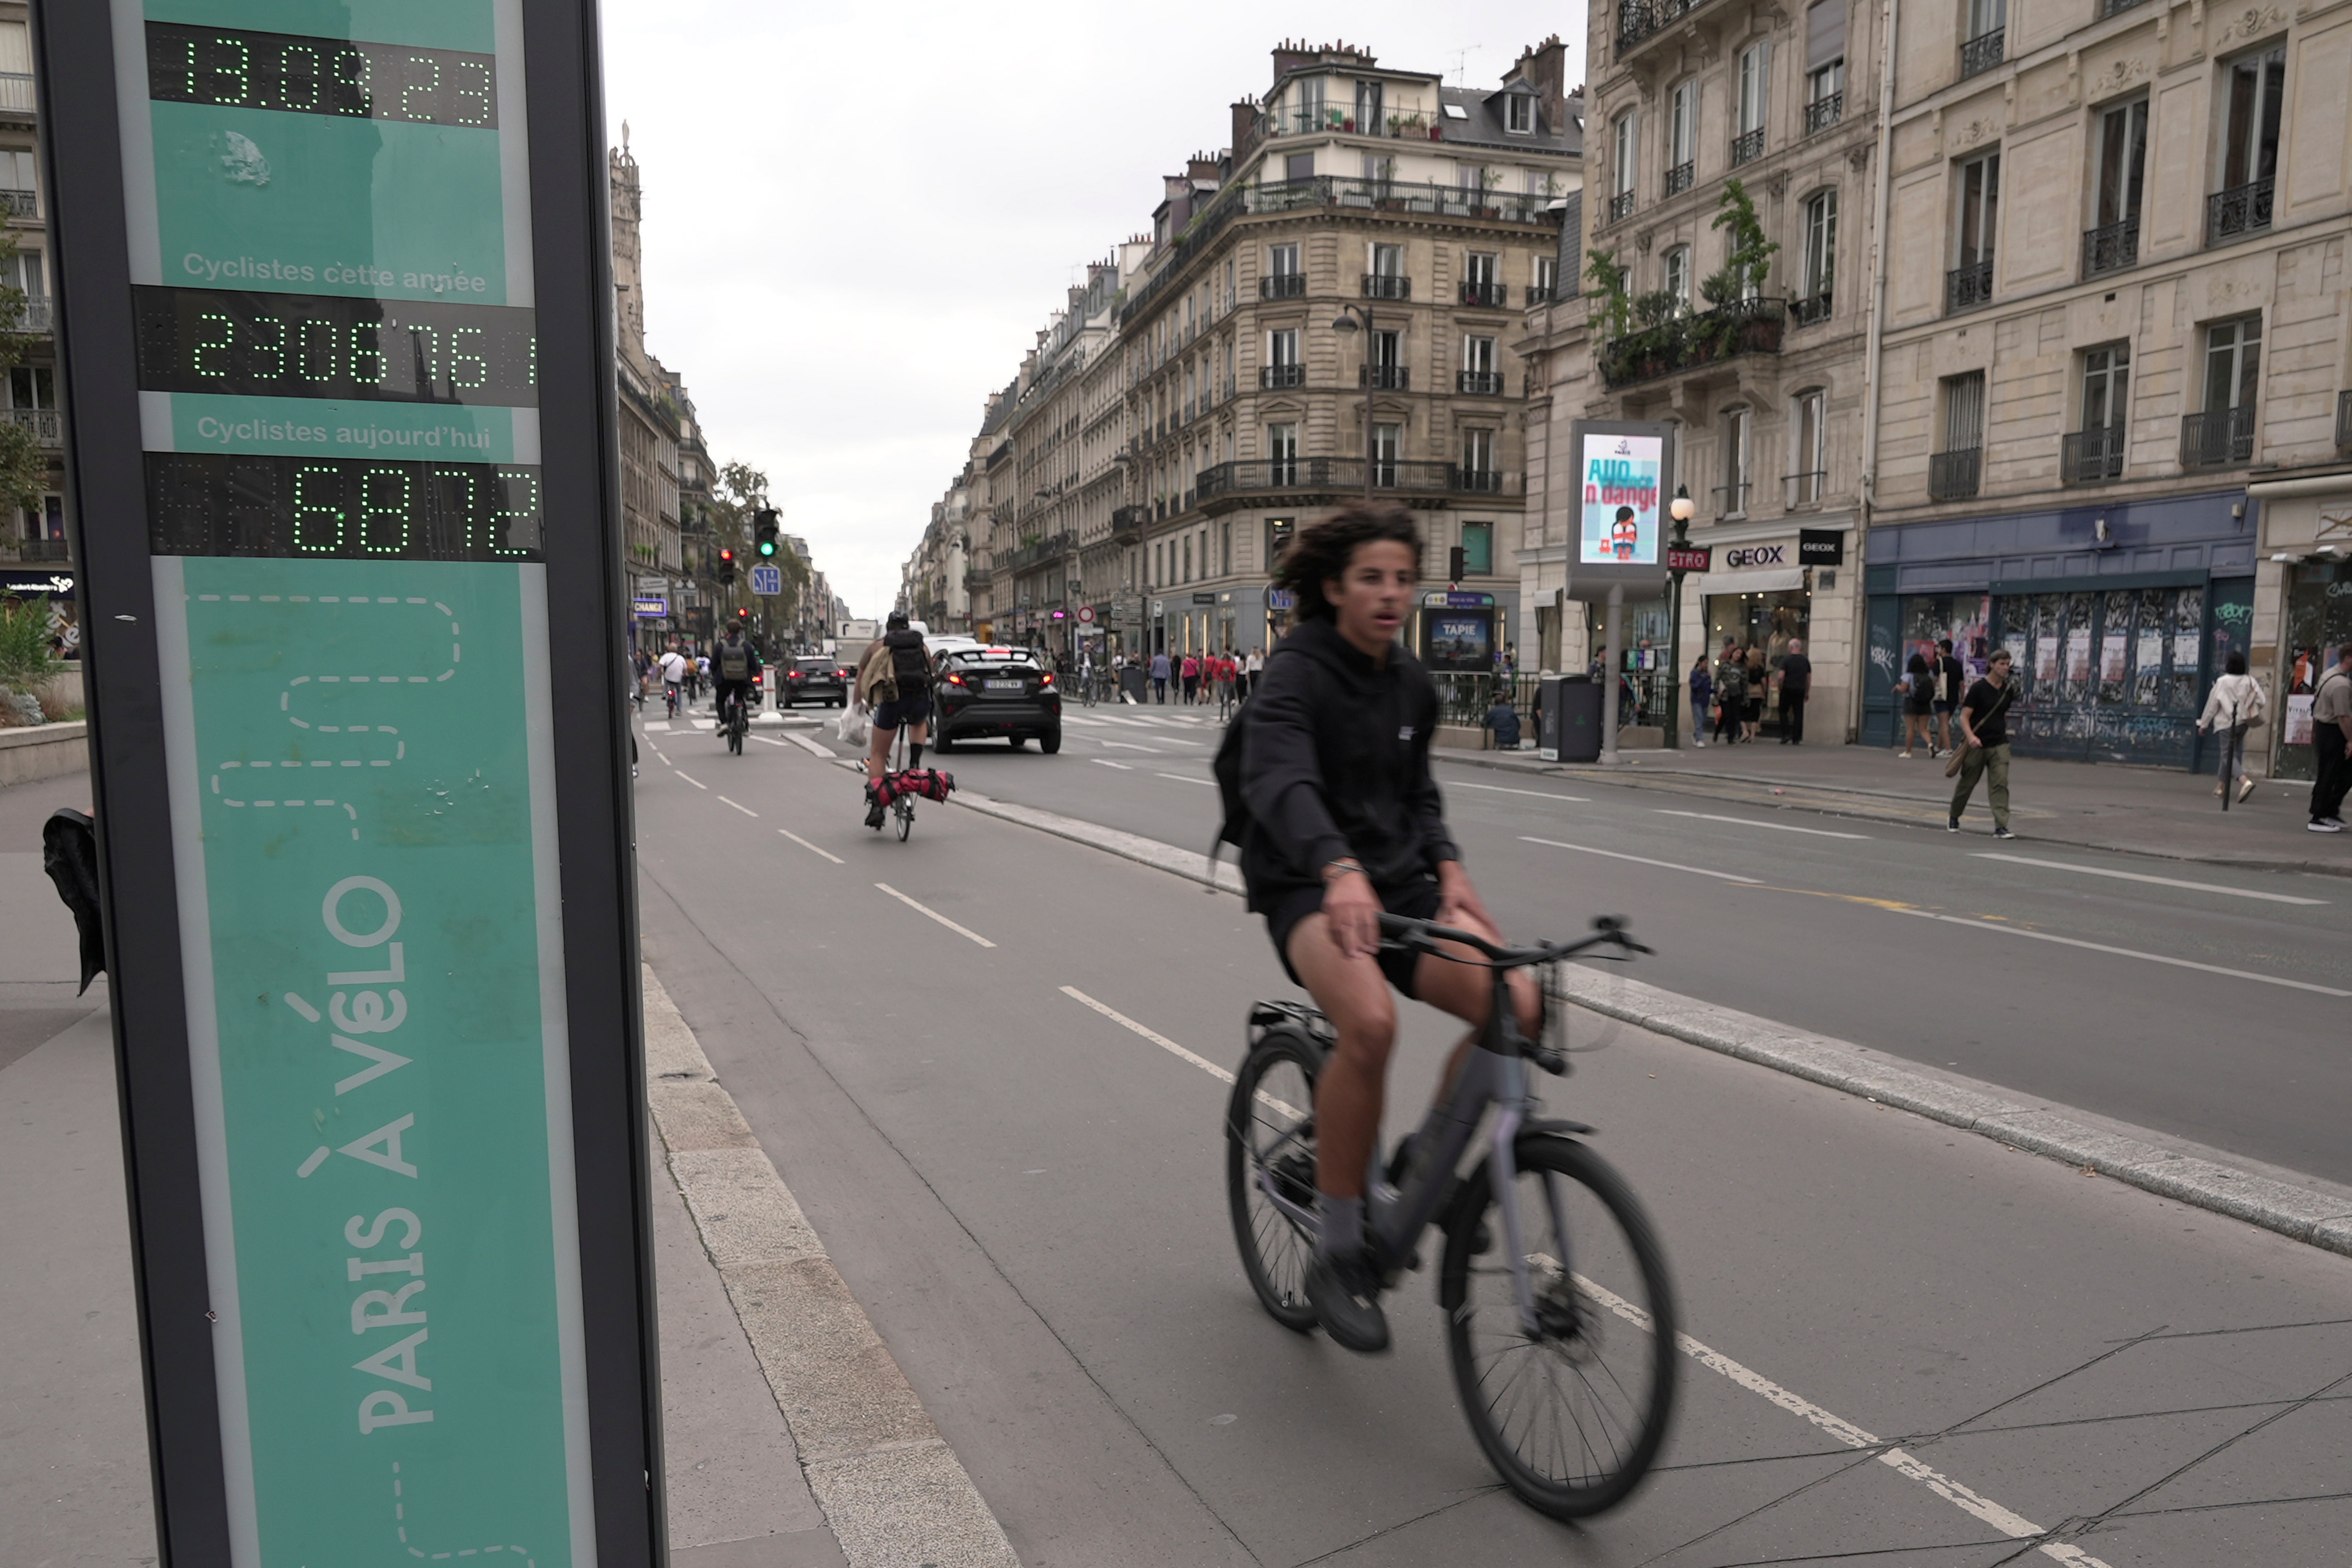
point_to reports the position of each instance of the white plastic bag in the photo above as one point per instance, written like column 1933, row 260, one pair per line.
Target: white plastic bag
column 850, row 728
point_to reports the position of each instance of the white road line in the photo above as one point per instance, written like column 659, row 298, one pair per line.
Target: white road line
column 1188, row 778
column 654, row 725
column 1107, row 763
column 1176, row 741
column 935, row 914
column 2015, row 1526
column 1641, row 861
column 1130, row 746
column 744, row 809
column 1750, row 822
column 770, row 741
column 2006, row 929
column 1085, row 723
column 809, row 846
column 2138, row 877
column 1506, row 789
column 810, row 747
column 682, row 773
column 1165, row 1044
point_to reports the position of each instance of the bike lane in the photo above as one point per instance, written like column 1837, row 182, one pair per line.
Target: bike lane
column 1029, row 1200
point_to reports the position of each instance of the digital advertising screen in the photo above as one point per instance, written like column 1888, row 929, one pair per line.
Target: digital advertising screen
column 1622, row 507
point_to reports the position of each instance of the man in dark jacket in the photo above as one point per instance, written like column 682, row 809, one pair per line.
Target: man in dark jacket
column 1345, row 824
column 1796, row 685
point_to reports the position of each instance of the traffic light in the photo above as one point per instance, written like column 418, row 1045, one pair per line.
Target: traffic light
column 1457, row 563
column 763, row 531
column 727, row 566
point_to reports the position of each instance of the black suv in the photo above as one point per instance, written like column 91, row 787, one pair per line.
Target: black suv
column 823, row 679
column 987, row 691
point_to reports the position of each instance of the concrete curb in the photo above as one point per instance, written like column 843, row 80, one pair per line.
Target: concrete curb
column 891, row 1489
column 2298, row 1212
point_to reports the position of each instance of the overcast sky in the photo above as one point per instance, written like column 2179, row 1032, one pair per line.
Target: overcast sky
column 857, row 216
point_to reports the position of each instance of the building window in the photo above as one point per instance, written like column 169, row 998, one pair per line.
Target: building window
column 1546, row 281
column 1478, row 373
column 1976, row 224
column 1482, row 280
column 1824, row 65
column 2113, row 242
column 2095, row 453
column 1478, row 548
column 1953, row 473
column 1188, row 560
column 1283, row 367
column 2256, row 85
column 1682, row 136
column 1297, row 166
column 1731, row 496
column 1388, row 450
column 1818, row 263
column 1754, row 62
column 1278, row 531
column 1478, row 353
column 2223, row 432
column 1368, row 109
column 1519, row 114
column 1810, row 423
column 1478, row 470
column 1282, row 454
column 1627, row 132
column 1988, row 32
column 1677, row 274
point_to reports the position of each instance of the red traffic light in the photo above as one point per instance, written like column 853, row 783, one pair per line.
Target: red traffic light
column 727, row 556
column 743, row 614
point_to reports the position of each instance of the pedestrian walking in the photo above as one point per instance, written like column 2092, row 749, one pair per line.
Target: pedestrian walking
column 1949, row 679
column 1251, row 669
column 2331, row 736
column 1796, row 685
column 1984, row 735
column 1917, row 690
column 1730, row 694
column 1159, row 679
column 2234, row 707
column 1752, row 716
column 1702, row 695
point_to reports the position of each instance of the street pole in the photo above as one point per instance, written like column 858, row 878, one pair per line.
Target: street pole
column 1609, row 658
column 1682, row 509
column 1368, row 403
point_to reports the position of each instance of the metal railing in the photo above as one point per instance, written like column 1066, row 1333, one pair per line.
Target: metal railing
column 2241, row 209
column 2093, row 457
column 1384, row 378
column 1493, row 296
column 1953, row 476
column 1748, row 146
column 43, row 550
column 1465, row 696
column 1321, row 119
column 1620, row 205
column 1680, row 177
column 1966, row 288
column 1824, row 112
column 1128, row 524
column 20, row 203
column 1043, row 550
column 46, row 423
column 1811, row 309
column 1806, row 488
column 1691, row 342
column 16, row 92
column 1540, row 293
column 2218, row 439
column 1477, row 482
column 1343, row 474
column 1640, row 19
column 2110, row 248
column 1282, row 286
column 2116, row 8
column 1731, row 500
column 1280, row 375
column 1982, row 52
column 1428, row 197
column 2344, row 421
column 1387, row 286
column 1479, row 382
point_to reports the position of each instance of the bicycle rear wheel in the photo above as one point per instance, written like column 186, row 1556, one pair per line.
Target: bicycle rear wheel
column 1572, row 1417
column 1270, row 1143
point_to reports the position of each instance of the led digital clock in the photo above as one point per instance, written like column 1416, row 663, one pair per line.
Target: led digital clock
column 332, row 345
column 240, row 503
column 232, row 69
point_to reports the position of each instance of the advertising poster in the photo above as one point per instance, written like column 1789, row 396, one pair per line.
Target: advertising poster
column 1460, row 641
column 1621, row 507
column 2298, row 719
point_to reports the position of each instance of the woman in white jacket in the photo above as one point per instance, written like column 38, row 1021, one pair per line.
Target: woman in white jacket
column 2234, row 707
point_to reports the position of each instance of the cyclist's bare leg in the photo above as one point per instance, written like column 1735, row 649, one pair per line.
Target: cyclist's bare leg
column 877, row 753
column 1355, row 995
column 1464, row 990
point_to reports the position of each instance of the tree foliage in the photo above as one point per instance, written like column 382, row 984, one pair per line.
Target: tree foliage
column 24, row 469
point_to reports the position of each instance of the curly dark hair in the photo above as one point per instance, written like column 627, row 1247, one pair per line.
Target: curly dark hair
column 1323, row 548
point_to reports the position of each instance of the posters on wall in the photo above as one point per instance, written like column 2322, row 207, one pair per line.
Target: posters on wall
column 1622, row 477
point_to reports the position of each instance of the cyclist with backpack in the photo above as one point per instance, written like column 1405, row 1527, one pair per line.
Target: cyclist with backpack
column 1328, row 790
column 737, row 662
column 894, row 679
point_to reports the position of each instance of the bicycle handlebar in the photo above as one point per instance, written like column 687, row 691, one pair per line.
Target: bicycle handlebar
column 1609, row 930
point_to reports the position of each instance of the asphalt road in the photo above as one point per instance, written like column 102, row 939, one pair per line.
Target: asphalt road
column 1027, row 1196
column 2204, row 1003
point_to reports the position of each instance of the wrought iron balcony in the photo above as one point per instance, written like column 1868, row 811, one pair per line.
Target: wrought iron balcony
column 2344, row 421
column 1982, row 52
column 1387, row 286
column 1824, row 112
column 1748, row 146
column 1282, row 286
column 2110, row 248
column 1342, row 476
column 46, row 423
column 1041, row 551
column 1479, row 382
column 1966, row 288
column 977, row 579
column 1384, row 378
column 1953, row 475
column 16, row 92
column 1280, row 375
column 1477, row 482
column 1731, row 499
column 1641, row 19
column 1620, row 205
column 1679, row 178
column 1427, row 198
column 1128, row 524
column 20, row 203
column 1540, row 293
column 2093, row 457
column 2218, row 439
column 1493, row 296
column 1690, row 342
column 1808, row 487
column 2241, row 210
column 1811, row 309
column 38, row 316
column 2116, row 8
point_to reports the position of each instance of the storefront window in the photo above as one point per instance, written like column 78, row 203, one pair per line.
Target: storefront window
column 2111, row 676
column 2318, row 623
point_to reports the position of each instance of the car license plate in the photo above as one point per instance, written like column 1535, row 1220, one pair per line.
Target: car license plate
column 1008, row 686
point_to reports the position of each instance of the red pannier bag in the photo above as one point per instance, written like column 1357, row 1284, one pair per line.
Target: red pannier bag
column 929, row 783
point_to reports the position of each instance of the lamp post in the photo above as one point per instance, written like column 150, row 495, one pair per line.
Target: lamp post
column 1351, row 316
column 1682, row 509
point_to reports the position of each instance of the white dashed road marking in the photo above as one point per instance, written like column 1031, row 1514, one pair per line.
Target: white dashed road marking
column 2140, row 876
column 744, row 809
column 1637, row 860
column 1746, row 822
column 1506, row 789
column 935, row 914
column 2005, row 929
column 809, row 846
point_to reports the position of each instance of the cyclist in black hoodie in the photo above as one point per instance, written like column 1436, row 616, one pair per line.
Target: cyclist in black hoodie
column 1345, row 822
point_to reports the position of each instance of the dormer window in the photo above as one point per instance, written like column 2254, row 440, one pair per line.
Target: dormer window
column 1456, row 112
column 1519, row 114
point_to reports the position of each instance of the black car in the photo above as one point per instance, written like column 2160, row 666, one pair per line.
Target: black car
column 821, row 678
column 979, row 693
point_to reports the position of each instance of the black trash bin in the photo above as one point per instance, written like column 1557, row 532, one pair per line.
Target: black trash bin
column 1568, row 719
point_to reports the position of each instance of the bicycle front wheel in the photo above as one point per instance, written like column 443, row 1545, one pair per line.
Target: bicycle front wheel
column 1270, row 1172
column 1572, row 1416
column 905, row 809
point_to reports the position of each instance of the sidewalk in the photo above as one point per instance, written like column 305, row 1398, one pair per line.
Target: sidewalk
column 2139, row 811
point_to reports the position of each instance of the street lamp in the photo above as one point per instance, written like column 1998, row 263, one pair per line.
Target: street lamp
column 1351, row 316
column 1682, row 509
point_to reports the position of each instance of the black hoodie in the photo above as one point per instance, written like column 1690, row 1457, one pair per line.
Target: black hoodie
column 1335, row 763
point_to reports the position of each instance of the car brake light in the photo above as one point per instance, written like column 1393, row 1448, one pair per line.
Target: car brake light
column 1046, row 678
column 955, row 680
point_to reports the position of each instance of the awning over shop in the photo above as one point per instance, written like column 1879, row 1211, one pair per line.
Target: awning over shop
column 1771, row 580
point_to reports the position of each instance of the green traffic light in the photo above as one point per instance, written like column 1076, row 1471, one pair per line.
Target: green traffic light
column 767, row 547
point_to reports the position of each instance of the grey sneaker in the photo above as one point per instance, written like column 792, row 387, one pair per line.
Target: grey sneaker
column 1347, row 1297
column 2003, row 833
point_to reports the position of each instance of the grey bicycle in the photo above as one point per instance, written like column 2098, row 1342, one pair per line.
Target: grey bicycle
column 1560, row 1314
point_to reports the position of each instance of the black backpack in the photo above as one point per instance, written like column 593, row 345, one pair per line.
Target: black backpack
column 1227, row 770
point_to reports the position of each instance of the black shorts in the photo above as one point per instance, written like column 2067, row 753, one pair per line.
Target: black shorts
column 915, row 710
column 1414, row 900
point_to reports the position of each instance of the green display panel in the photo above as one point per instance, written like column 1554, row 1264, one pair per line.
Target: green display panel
column 337, row 375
